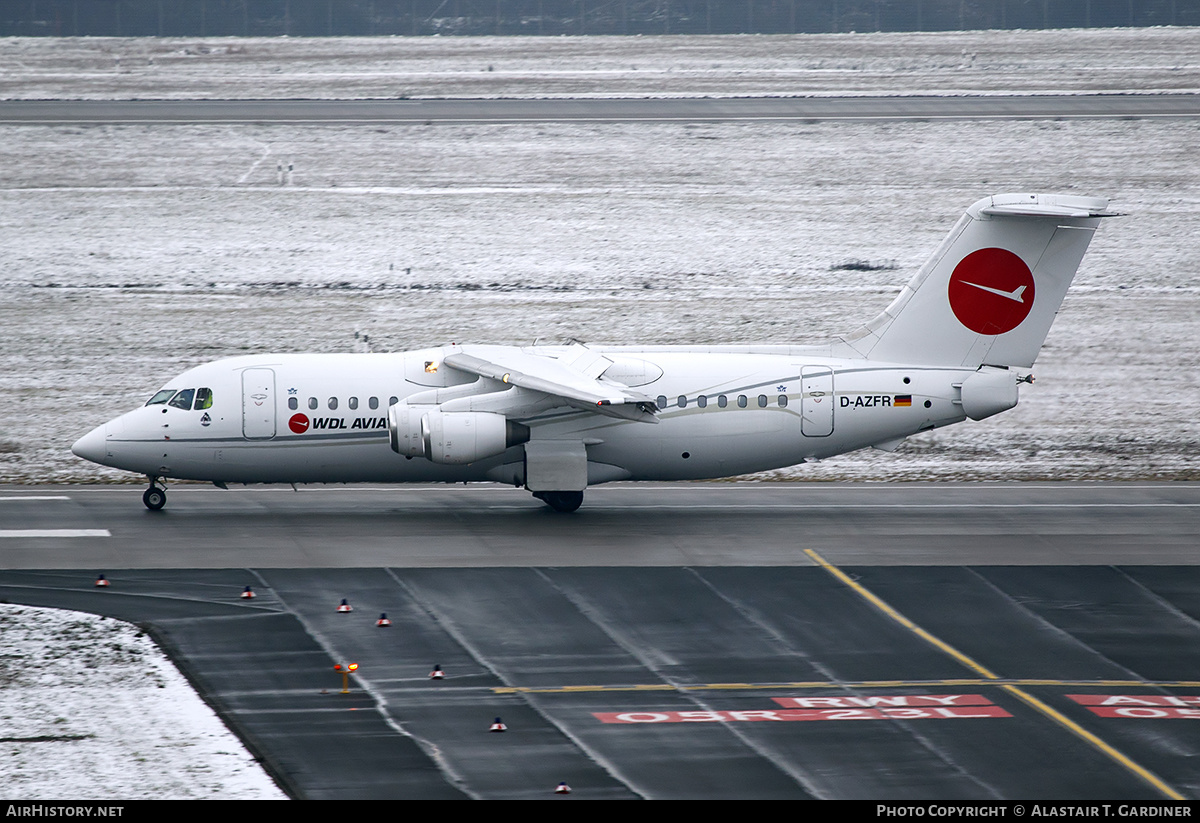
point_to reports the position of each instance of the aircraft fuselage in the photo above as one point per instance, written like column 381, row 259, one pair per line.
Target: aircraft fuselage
column 556, row 419
column 306, row 418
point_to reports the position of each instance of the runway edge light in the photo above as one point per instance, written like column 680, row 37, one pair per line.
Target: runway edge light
column 563, row 788
column 383, row 621
column 344, row 607
column 248, row 593
column 437, row 673
column 345, row 669
column 498, row 726
column 101, row 582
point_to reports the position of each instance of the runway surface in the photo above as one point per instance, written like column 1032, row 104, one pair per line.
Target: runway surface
column 620, row 524
column 695, row 640
column 1023, row 107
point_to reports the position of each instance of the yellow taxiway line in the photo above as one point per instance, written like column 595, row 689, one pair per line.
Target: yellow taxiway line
column 992, row 678
column 985, row 678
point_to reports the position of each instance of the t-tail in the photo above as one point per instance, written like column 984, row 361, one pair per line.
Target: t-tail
column 990, row 292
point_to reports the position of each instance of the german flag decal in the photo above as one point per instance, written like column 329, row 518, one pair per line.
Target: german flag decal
column 904, row 400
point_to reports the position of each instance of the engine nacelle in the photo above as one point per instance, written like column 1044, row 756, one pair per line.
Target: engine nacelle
column 462, row 437
column 404, row 429
column 451, row 437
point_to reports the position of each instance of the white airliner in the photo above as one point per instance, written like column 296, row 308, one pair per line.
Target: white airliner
column 556, row 419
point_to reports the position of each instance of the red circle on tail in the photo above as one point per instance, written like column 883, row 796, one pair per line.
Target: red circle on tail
column 298, row 423
column 991, row 291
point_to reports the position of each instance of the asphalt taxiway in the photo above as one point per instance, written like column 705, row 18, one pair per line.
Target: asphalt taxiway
column 608, row 110
column 940, row 641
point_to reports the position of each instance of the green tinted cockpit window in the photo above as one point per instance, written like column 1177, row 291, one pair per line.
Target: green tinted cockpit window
column 160, row 398
column 183, row 400
column 203, row 399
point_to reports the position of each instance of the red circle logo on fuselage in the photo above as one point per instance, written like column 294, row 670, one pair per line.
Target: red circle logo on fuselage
column 298, row 423
column 991, row 291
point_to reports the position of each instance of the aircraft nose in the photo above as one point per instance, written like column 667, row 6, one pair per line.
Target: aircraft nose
column 92, row 446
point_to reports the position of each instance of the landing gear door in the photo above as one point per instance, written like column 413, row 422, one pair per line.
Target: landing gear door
column 816, row 403
column 258, row 404
column 555, row 466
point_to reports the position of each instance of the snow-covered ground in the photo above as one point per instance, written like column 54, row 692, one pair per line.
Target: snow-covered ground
column 1012, row 62
column 132, row 253
column 91, row 709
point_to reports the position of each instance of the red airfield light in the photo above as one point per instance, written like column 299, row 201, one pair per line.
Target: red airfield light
column 345, row 669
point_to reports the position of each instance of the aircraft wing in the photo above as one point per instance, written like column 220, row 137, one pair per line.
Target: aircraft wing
column 571, row 378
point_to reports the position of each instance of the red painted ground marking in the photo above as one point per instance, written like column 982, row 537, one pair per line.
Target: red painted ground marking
column 1141, row 706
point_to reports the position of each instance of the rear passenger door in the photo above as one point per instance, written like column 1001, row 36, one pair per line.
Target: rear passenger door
column 816, row 402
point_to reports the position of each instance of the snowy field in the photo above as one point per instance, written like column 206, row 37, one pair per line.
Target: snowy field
column 1036, row 62
column 90, row 709
column 134, row 252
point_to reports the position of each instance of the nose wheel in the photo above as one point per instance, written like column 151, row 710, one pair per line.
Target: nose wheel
column 154, row 497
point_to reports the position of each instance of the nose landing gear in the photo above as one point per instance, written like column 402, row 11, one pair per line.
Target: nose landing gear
column 154, row 497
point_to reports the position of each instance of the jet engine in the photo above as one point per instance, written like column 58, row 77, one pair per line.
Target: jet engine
column 451, row 437
column 404, row 430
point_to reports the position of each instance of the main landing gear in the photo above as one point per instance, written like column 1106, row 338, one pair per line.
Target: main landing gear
column 154, row 497
column 561, row 501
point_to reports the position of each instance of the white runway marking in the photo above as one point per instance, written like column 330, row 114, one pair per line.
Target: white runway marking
column 54, row 533
column 37, row 497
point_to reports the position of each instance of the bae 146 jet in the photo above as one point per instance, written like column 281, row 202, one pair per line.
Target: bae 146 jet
column 557, row 419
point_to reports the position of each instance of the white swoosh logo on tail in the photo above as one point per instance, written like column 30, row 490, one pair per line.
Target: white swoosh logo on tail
column 1014, row 295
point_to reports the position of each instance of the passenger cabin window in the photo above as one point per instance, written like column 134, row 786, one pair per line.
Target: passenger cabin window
column 762, row 401
column 293, row 403
column 683, row 401
column 722, row 400
column 702, row 402
column 183, row 400
column 160, row 398
column 782, row 401
column 393, row 401
column 332, row 403
column 741, row 401
column 373, row 402
column 312, row 403
column 353, row 402
column 203, row 399
column 662, row 401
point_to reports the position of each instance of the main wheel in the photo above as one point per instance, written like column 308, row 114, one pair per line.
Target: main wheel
column 562, row 501
column 154, row 498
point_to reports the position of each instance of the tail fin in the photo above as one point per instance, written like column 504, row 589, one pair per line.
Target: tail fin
column 989, row 294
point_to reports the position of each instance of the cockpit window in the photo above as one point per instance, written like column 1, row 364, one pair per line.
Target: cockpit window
column 203, row 399
column 183, row 400
column 160, row 398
